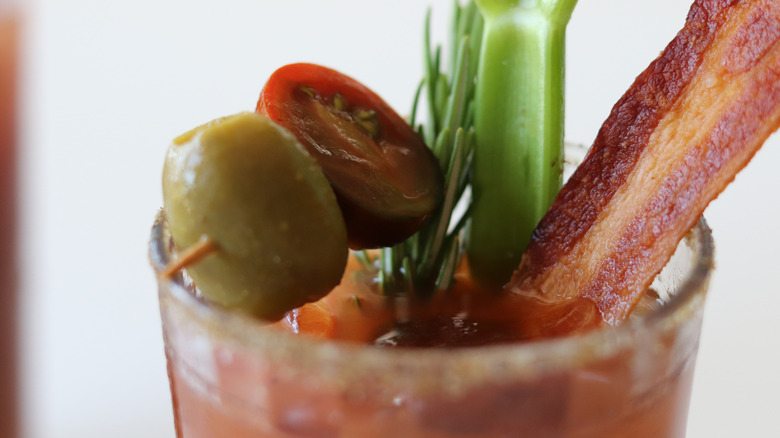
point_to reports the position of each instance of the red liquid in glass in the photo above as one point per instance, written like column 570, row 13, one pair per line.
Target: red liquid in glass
column 239, row 394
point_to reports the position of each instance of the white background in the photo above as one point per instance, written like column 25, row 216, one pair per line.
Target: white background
column 110, row 83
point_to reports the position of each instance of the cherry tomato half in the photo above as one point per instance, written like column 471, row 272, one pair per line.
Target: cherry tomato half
column 386, row 179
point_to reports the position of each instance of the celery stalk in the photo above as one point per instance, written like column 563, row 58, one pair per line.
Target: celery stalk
column 519, row 111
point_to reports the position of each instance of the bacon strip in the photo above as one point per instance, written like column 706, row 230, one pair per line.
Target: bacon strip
column 692, row 120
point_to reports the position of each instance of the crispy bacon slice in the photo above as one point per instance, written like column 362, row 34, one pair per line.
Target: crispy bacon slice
column 688, row 124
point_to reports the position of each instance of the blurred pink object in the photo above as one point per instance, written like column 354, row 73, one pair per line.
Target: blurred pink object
column 9, row 406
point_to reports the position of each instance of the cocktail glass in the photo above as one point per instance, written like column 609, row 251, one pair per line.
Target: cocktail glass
column 232, row 376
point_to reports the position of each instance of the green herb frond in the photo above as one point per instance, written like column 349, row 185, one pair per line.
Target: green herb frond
column 425, row 263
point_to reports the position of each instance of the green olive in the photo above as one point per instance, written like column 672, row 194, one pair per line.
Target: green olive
column 251, row 188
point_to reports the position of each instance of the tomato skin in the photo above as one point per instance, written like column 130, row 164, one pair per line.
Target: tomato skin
column 386, row 179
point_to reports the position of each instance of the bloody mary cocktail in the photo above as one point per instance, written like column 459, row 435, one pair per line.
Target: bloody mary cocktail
column 232, row 375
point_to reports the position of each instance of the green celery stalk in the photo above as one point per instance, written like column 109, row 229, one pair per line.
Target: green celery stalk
column 519, row 117
column 425, row 263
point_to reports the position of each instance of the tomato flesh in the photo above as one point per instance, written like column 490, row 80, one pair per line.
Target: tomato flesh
column 385, row 178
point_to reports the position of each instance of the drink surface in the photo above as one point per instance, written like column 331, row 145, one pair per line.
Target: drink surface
column 465, row 316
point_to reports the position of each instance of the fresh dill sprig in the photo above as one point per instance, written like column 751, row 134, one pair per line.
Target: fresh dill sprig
column 425, row 263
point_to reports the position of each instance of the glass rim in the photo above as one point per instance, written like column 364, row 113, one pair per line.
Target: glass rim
column 464, row 366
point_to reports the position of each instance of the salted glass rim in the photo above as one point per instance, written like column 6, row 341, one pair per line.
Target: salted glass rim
column 348, row 359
